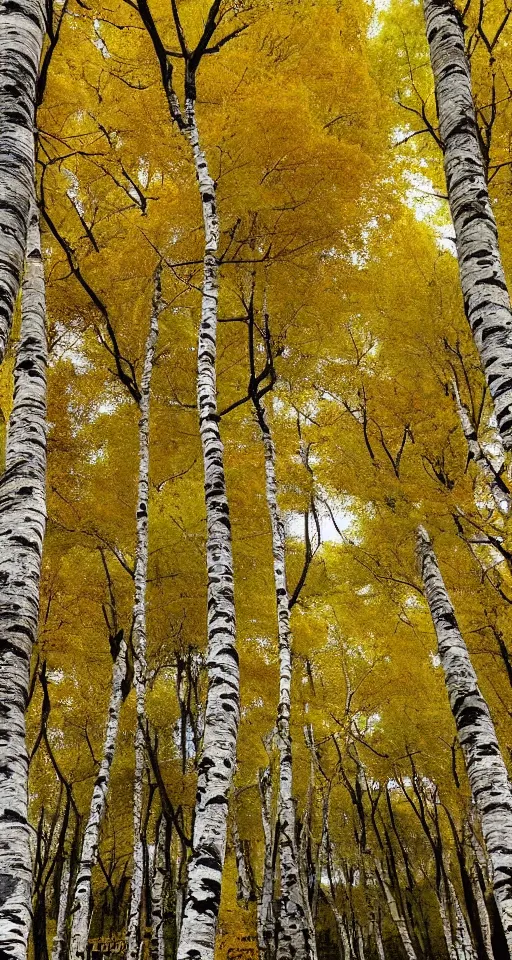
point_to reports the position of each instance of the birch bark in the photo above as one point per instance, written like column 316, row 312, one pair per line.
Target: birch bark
column 81, row 910
column 158, row 893
column 486, row 297
column 396, row 914
column 295, row 936
column 222, row 714
column 497, row 487
column 266, row 919
column 22, row 28
column 139, row 623
column 22, row 527
column 60, row 939
column 484, row 763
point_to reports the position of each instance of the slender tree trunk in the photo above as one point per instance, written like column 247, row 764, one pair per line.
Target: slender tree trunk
column 484, row 763
column 266, row 926
column 140, row 625
column 498, row 489
column 81, row 911
column 159, row 886
column 222, row 715
column 60, row 939
column 484, row 288
column 22, row 526
column 294, row 938
column 22, row 28
column 243, row 883
column 396, row 914
column 379, row 943
column 463, row 943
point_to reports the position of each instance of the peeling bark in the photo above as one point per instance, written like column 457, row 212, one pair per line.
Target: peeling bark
column 22, row 28
column 22, row 527
column 486, row 769
column 81, row 910
column 486, row 297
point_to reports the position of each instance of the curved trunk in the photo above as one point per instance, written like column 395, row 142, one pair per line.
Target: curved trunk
column 139, row 624
column 22, row 527
column 486, row 298
column 22, row 28
column 81, row 910
column 486, row 769
column 497, row 487
column 222, row 715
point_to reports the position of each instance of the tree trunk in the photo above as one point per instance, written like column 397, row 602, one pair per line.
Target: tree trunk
column 81, row 911
column 484, row 289
column 222, row 714
column 22, row 28
column 498, row 489
column 266, row 925
column 60, row 939
column 396, row 914
column 294, row 939
column 243, row 883
column 159, row 885
column 22, row 526
column 484, row 763
column 140, row 625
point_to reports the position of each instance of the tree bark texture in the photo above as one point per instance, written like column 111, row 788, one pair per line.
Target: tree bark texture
column 484, row 289
column 484, row 763
column 222, row 715
column 140, row 624
column 22, row 527
column 81, row 911
column 22, row 28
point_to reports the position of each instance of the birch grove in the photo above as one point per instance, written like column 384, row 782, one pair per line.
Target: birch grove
column 239, row 377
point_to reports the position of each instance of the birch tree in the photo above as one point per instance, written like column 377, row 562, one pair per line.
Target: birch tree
column 222, row 713
column 22, row 526
column 81, row 909
column 484, row 763
column 485, row 292
column 22, row 28
column 140, row 620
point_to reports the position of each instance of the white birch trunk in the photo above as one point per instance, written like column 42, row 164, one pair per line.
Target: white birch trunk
column 379, row 943
column 22, row 28
column 396, row 914
column 483, row 914
column 265, row 919
column 81, row 910
column 222, row 715
column 294, row 939
column 444, row 912
column 484, row 763
column 22, row 527
column 484, row 288
column 463, row 943
column 158, row 893
column 140, row 625
column 243, row 884
column 500, row 495
column 60, row 940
